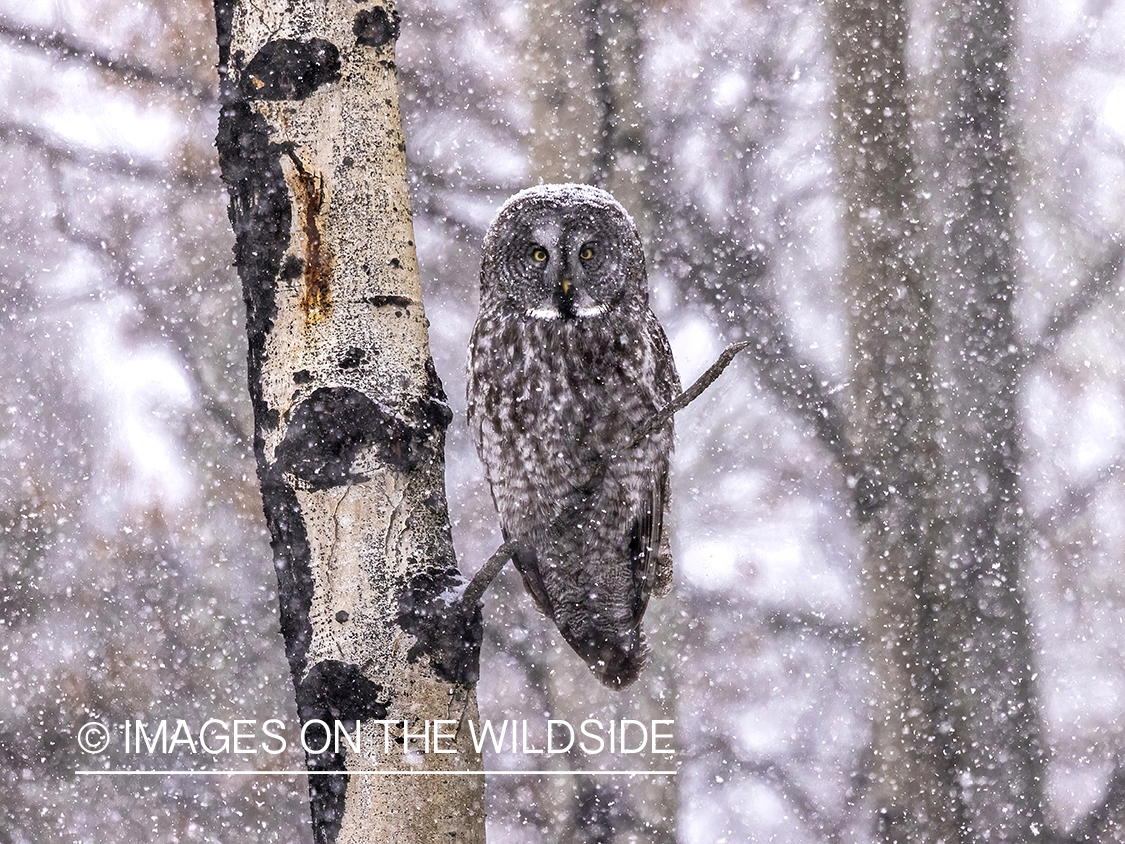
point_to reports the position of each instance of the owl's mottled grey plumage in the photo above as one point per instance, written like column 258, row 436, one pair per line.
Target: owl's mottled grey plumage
column 566, row 361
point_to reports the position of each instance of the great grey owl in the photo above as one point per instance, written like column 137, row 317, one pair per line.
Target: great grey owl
column 566, row 361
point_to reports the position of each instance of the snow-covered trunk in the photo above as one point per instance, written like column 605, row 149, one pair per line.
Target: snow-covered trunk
column 580, row 67
column 349, row 415
column 956, row 750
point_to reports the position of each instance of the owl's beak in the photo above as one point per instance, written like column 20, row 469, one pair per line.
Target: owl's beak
column 565, row 297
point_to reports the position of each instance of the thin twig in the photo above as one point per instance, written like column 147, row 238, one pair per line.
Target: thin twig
column 572, row 508
column 658, row 419
column 487, row 573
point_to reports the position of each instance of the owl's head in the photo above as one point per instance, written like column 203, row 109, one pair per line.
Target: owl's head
column 567, row 252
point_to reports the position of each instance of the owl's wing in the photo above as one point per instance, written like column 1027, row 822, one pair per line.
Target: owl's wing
column 527, row 563
column 645, row 544
column 656, row 561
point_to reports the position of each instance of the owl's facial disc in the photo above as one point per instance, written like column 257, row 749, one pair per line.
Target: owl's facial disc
column 566, row 275
column 567, row 263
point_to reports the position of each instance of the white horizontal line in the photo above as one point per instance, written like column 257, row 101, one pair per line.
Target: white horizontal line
column 146, row 773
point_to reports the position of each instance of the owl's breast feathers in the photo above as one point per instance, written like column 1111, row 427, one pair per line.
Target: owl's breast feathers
column 553, row 406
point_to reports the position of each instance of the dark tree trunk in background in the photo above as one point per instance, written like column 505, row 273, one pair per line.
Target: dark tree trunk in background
column 957, row 757
column 893, row 416
column 998, row 757
column 349, row 415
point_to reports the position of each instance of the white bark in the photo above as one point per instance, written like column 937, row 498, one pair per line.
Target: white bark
column 349, row 414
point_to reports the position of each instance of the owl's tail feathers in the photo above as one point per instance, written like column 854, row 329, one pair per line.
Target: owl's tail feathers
column 527, row 563
column 612, row 644
column 616, row 660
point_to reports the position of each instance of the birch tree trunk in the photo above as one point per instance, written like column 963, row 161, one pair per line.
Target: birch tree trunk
column 349, row 416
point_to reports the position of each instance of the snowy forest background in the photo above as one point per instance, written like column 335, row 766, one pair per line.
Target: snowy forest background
column 135, row 570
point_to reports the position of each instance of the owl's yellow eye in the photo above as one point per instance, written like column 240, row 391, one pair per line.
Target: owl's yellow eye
column 539, row 254
column 587, row 252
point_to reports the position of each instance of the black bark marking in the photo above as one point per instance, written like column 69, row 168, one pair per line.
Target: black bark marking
column 302, row 376
column 327, row 796
column 433, row 411
column 338, row 691
column 288, row 69
column 291, row 559
column 374, row 27
column 330, row 429
column 292, row 267
column 260, row 215
column 326, row 433
column 224, row 16
column 445, row 630
column 383, row 301
column 352, row 358
column 334, row 692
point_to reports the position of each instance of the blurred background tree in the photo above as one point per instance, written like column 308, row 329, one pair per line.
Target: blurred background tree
column 136, row 574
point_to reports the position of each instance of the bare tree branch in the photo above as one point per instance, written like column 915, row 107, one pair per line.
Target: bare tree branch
column 772, row 619
column 1089, row 293
column 127, row 281
column 57, row 151
column 693, row 251
column 68, row 47
column 689, row 395
column 787, row 620
column 1101, row 821
column 1075, row 499
column 487, row 573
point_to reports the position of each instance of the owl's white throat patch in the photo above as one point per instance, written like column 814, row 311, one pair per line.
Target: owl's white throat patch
column 592, row 310
column 554, row 313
